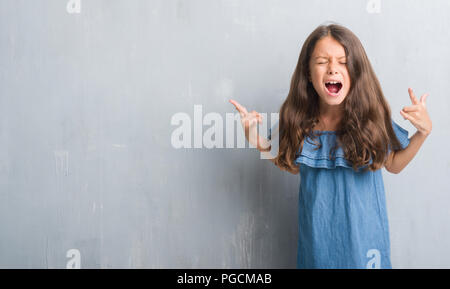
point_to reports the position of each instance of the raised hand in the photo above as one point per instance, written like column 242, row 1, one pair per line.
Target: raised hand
column 249, row 121
column 417, row 113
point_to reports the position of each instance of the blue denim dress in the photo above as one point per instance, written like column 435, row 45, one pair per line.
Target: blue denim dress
column 342, row 213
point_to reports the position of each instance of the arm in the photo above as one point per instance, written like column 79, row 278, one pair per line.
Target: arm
column 249, row 120
column 417, row 114
column 264, row 146
column 397, row 161
column 249, row 123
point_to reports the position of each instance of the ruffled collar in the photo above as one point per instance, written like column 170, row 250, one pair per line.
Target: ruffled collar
column 320, row 158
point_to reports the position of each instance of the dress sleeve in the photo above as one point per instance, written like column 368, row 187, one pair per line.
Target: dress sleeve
column 401, row 133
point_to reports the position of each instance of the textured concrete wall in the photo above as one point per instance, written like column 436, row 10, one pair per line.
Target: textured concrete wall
column 89, row 175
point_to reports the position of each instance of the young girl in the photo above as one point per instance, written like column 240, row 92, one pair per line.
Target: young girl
column 335, row 129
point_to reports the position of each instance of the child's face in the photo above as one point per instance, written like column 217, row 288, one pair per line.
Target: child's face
column 328, row 63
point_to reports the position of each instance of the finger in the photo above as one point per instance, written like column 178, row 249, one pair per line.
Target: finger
column 408, row 117
column 238, row 106
column 411, row 108
column 252, row 117
column 256, row 115
column 242, row 110
column 412, row 96
column 260, row 119
column 423, row 98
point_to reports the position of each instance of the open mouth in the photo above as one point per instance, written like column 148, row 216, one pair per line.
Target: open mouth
column 333, row 87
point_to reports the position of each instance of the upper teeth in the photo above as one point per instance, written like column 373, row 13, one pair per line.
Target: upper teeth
column 333, row 82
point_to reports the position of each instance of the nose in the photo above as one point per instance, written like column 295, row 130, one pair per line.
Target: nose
column 332, row 68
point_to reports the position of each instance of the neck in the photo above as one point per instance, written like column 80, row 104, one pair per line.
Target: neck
column 330, row 116
column 331, row 111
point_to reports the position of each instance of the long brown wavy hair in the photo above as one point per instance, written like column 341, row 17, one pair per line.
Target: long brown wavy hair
column 365, row 130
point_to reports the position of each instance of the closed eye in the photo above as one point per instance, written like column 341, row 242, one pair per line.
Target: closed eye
column 326, row 62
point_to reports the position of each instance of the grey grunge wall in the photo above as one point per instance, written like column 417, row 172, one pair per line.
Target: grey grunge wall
column 90, row 176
